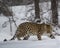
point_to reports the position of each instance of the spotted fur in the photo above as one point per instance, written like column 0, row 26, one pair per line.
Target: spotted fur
column 28, row 28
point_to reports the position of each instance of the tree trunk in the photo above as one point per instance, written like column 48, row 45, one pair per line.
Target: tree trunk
column 54, row 12
column 37, row 10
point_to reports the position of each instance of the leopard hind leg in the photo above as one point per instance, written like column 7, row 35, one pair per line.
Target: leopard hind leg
column 26, row 37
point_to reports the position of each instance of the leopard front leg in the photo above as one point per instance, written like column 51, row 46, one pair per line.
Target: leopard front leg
column 52, row 36
column 38, row 35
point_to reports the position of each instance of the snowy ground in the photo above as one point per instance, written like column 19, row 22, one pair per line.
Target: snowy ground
column 20, row 11
column 32, row 43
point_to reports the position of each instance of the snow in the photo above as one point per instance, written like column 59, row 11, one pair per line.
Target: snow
column 32, row 42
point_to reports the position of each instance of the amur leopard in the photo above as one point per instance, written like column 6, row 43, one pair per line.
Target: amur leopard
column 28, row 28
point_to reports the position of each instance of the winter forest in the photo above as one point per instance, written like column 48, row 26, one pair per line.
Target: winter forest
column 33, row 17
